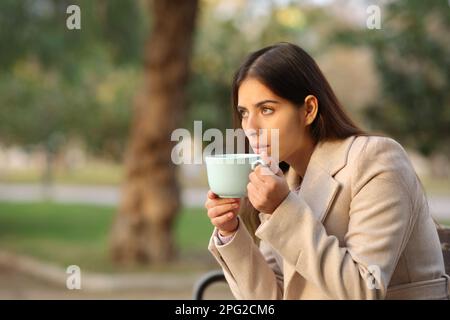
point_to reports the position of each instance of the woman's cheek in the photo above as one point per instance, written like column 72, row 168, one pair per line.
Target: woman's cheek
column 278, row 145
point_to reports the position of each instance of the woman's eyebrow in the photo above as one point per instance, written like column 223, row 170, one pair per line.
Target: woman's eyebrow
column 260, row 103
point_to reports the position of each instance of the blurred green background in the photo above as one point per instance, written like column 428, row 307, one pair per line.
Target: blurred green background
column 66, row 106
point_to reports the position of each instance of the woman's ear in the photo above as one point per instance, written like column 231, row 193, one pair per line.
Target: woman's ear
column 311, row 109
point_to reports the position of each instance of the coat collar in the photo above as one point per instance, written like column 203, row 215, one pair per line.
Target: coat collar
column 319, row 188
column 327, row 157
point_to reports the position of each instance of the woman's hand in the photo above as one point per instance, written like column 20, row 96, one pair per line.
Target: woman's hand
column 266, row 189
column 223, row 213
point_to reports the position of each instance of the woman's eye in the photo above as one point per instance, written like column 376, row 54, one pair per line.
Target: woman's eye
column 267, row 111
column 243, row 113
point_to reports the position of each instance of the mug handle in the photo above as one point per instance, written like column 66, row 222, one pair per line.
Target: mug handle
column 258, row 162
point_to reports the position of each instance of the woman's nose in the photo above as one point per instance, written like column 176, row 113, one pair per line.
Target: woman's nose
column 252, row 125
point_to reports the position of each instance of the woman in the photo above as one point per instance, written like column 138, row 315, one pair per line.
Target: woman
column 347, row 217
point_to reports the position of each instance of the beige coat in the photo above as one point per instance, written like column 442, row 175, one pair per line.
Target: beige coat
column 359, row 228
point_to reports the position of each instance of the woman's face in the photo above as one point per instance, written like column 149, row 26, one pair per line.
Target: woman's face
column 260, row 108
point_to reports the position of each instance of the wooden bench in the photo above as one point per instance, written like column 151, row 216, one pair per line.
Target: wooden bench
column 444, row 237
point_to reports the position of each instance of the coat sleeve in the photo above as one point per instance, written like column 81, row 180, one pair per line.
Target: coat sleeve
column 380, row 222
column 251, row 271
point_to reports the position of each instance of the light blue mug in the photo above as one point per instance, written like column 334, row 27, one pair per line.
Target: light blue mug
column 228, row 173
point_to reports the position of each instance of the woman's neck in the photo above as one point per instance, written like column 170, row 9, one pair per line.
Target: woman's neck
column 299, row 160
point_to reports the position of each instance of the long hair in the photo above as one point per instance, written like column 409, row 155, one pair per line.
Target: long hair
column 291, row 73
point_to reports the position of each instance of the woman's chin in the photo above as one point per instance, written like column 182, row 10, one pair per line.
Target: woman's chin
column 262, row 150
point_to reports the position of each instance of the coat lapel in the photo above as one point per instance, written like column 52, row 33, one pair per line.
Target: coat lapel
column 319, row 188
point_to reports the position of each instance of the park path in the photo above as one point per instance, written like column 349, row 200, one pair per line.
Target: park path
column 106, row 195
column 110, row 195
column 17, row 285
column 25, row 277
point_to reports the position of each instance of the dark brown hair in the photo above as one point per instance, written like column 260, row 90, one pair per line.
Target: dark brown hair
column 291, row 73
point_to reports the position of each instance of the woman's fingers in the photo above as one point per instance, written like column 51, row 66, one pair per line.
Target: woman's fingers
column 255, row 179
column 264, row 174
column 272, row 165
column 218, row 202
column 212, row 195
column 221, row 209
column 224, row 218
column 252, row 192
column 213, row 200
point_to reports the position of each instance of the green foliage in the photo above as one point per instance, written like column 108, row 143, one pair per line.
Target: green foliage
column 56, row 83
column 221, row 44
column 412, row 55
column 68, row 234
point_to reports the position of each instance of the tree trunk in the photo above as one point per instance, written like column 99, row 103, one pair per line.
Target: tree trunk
column 142, row 231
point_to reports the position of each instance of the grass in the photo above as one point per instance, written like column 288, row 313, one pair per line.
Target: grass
column 79, row 234
column 68, row 234
column 94, row 173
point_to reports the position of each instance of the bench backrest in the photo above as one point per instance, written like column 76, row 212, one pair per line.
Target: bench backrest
column 444, row 237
